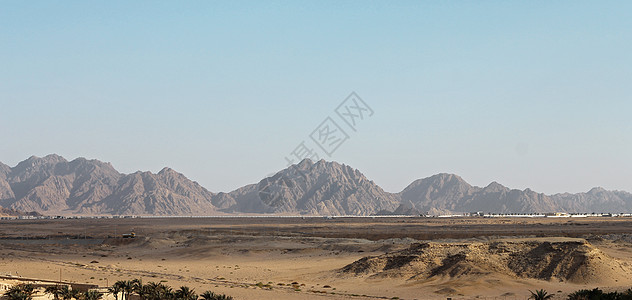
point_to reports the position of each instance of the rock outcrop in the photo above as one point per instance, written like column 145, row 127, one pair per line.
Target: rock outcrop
column 564, row 259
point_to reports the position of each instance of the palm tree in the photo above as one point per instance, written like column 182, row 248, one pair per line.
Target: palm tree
column 65, row 293
column 92, row 295
column 127, row 287
column 137, row 287
column 208, row 295
column 54, row 290
column 185, row 293
column 136, row 283
column 155, row 291
column 119, row 288
column 73, row 294
column 223, row 297
column 144, row 291
column 160, row 291
column 151, row 289
column 540, row 295
column 20, row 292
column 28, row 290
column 114, row 290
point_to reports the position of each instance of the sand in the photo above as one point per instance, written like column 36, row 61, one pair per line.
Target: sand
column 294, row 258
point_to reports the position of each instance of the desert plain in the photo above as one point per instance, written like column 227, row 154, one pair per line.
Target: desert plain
column 329, row 258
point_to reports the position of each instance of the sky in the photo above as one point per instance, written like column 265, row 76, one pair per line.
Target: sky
column 531, row 94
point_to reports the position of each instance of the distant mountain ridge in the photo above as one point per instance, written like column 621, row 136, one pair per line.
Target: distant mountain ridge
column 321, row 188
column 51, row 185
column 448, row 193
column 596, row 200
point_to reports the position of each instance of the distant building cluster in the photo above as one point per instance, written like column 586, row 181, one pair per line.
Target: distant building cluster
column 533, row 215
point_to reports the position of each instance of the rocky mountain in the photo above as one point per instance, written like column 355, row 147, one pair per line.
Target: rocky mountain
column 320, row 188
column 595, row 200
column 448, row 193
column 497, row 198
column 441, row 193
column 54, row 186
column 165, row 193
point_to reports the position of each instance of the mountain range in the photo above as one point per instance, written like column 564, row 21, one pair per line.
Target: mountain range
column 51, row 185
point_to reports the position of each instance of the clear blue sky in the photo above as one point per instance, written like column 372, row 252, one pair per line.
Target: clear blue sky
column 531, row 94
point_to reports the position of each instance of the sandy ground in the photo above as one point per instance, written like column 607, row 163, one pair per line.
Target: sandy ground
column 284, row 258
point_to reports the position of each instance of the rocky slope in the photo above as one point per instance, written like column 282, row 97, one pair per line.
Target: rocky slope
column 5, row 188
column 52, row 185
column 321, row 188
column 441, row 193
column 595, row 200
column 446, row 193
column 572, row 260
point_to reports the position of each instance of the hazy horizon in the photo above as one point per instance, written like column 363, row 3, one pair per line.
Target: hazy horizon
column 531, row 95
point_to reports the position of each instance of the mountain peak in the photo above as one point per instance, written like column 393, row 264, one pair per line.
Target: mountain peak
column 495, row 186
column 446, row 177
column 34, row 161
column 443, row 179
column 306, row 162
column 167, row 170
column 48, row 158
column 53, row 156
column 596, row 190
column 321, row 188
